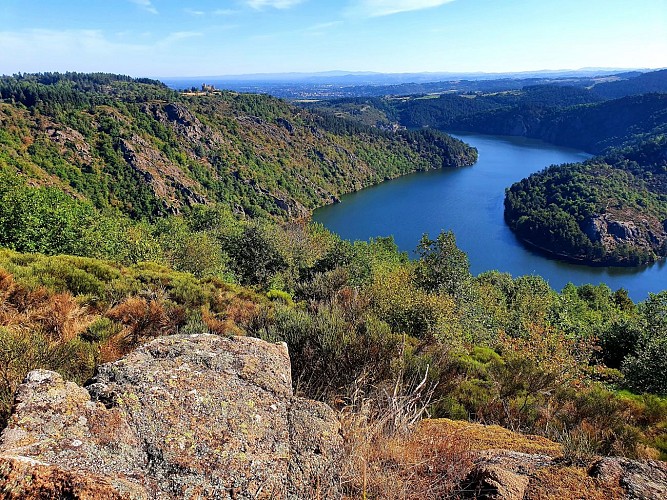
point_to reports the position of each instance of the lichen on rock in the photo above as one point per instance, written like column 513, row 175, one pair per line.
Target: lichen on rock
column 184, row 416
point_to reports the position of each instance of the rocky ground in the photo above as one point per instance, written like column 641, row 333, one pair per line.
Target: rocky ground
column 205, row 416
column 508, row 465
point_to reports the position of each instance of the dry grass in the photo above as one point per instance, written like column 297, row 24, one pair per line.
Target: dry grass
column 387, row 456
column 402, row 466
column 58, row 316
column 490, row 437
column 569, row 483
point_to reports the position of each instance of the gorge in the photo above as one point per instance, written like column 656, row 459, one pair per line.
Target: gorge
column 469, row 201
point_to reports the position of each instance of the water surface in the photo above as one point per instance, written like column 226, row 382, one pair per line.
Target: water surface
column 469, row 201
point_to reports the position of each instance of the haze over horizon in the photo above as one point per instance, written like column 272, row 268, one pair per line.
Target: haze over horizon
column 160, row 38
column 361, row 73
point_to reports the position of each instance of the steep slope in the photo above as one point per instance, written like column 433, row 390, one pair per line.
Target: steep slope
column 608, row 210
column 149, row 151
column 592, row 127
column 653, row 81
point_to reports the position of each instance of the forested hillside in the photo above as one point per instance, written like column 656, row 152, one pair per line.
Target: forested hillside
column 592, row 117
column 136, row 146
column 591, row 127
column 644, row 83
column 611, row 209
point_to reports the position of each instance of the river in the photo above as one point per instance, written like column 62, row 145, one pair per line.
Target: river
column 469, row 201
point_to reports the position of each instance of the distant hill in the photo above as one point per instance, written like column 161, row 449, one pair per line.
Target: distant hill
column 142, row 148
column 592, row 127
column 591, row 115
column 338, row 84
column 473, row 111
column 654, row 81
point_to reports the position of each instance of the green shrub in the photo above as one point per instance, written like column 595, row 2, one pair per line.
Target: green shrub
column 100, row 330
column 642, row 372
column 281, row 296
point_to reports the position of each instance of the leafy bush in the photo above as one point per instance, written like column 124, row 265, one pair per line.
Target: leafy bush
column 642, row 372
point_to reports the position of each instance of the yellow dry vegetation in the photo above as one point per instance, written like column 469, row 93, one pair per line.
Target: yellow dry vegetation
column 569, row 483
column 489, row 437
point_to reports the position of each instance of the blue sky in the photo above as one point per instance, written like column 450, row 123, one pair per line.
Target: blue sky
column 226, row 37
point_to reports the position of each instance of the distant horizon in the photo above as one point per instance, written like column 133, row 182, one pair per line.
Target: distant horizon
column 248, row 37
column 337, row 72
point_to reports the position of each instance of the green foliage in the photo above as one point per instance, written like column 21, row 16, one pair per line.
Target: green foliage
column 555, row 209
column 442, row 266
column 140, row 148
column 42, row 220
column 195, row 252
column 641, row 369
column 100, row 330
column 253, row 254
column 328, row 352
column 279, row 295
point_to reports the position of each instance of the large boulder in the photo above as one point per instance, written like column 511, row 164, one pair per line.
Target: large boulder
column 199, row 416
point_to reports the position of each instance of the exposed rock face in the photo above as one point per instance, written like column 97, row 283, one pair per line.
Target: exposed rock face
column 184, row 122
column 26, row 478
column 631, row 229
column 316, row 450
column 164, row 177
column 502, row 474
column 642, row 480
column 492, row 481
column 198, row 416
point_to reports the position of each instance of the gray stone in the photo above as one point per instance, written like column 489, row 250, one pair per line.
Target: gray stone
column 200, row 416
column 642, row 480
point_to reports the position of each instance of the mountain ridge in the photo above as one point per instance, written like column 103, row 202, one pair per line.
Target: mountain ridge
column 150, row 151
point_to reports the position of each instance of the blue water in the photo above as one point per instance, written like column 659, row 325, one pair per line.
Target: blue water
column 469, row 201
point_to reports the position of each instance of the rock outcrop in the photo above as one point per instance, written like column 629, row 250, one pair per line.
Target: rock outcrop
column 629, row 228
column 164, row 177
column 508, row 465
column 198, row 416
column 510, row 475
column 643, row 480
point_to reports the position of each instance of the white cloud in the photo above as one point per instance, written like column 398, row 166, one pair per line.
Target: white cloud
column 377, row 8
column 276, row 4
column 146, row 5
column 224, row 12
column 52, row 50
column 178, row 36
column 321, row 28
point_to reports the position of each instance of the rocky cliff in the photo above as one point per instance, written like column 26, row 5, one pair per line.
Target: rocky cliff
column 627, row 227
column 199, row 416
